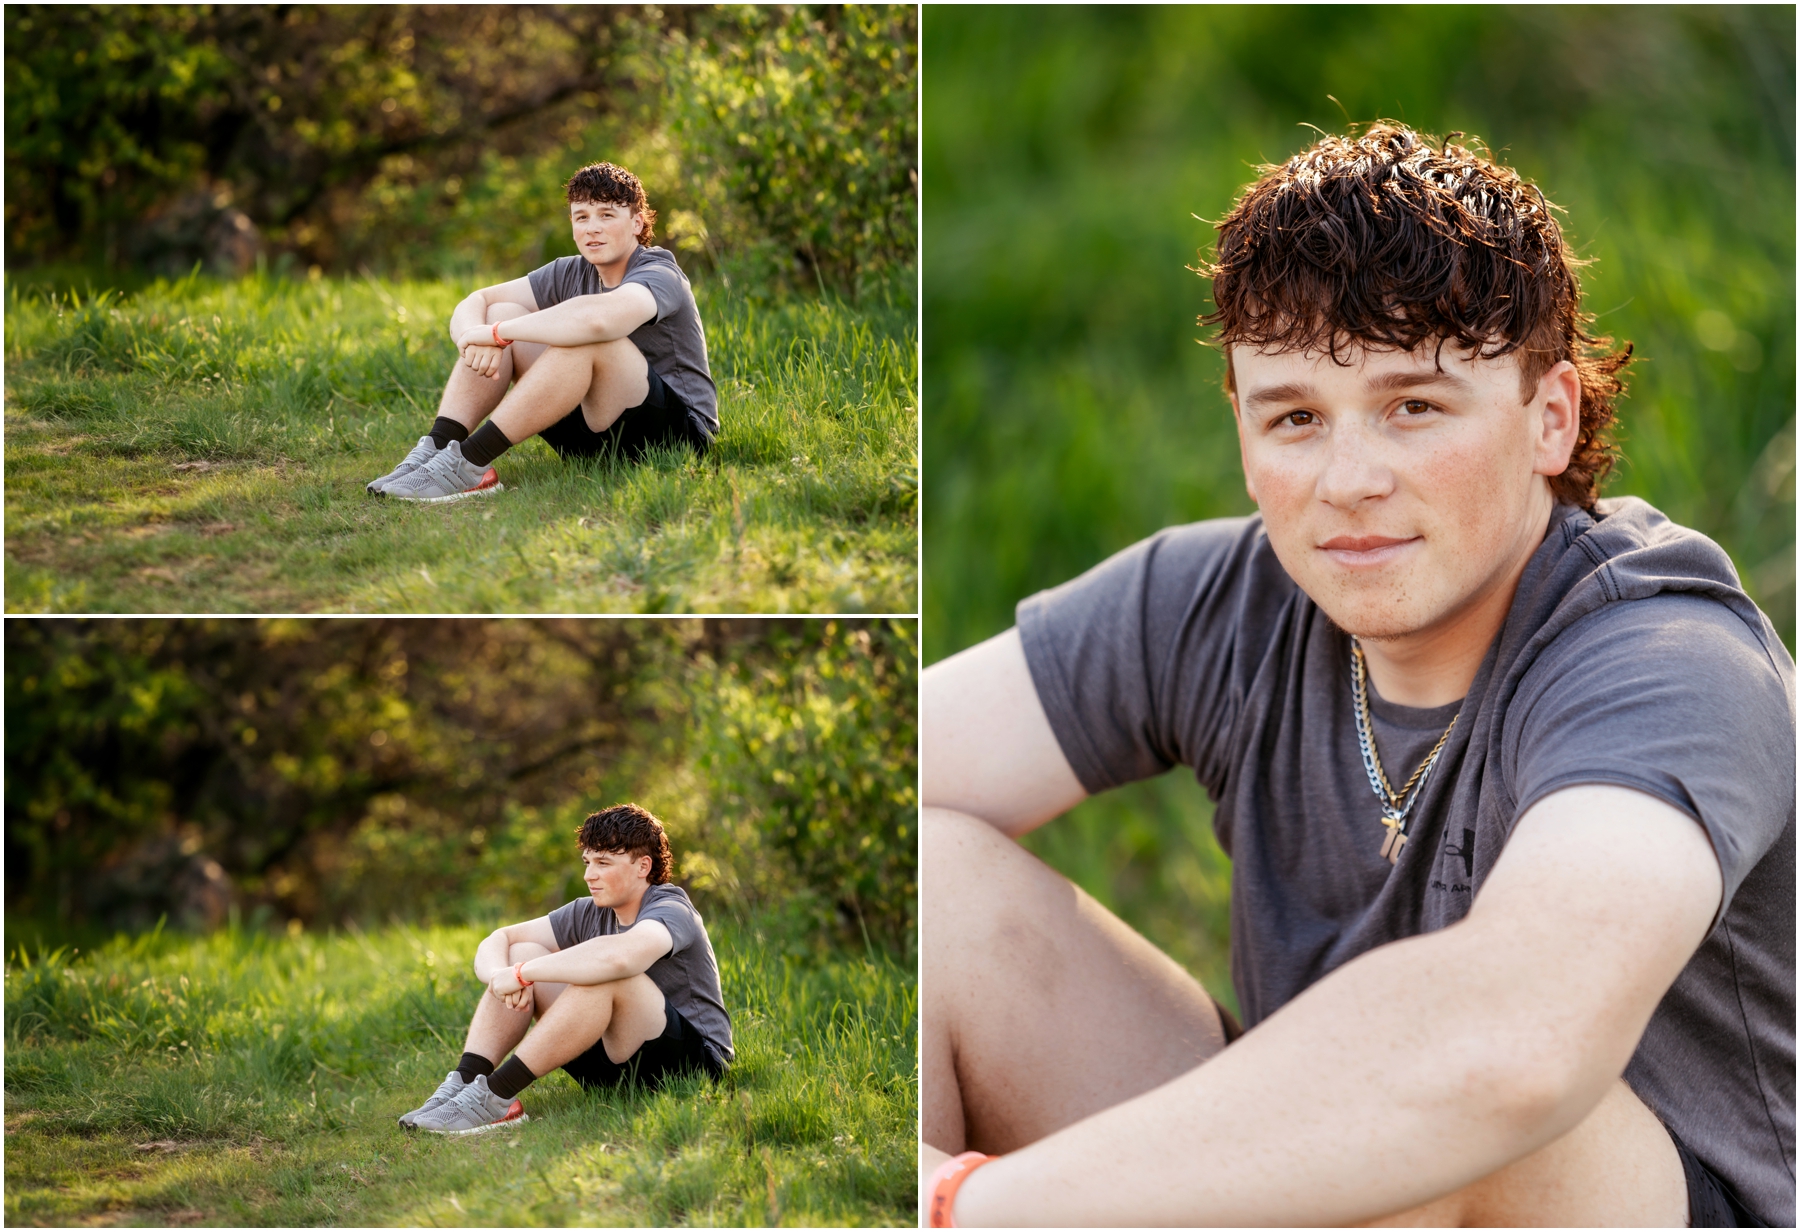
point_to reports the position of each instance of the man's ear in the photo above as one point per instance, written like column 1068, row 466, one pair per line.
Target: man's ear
column 645, row 864
column 1555, row 419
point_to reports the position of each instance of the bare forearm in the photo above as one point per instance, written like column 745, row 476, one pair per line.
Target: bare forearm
column 599, row 961
column 1376, row 1091
column 574, row 322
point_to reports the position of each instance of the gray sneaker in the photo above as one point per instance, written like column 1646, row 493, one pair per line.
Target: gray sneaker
column 419, row 456
column 471, row 1110
column 446, row 477
column 439, row 1098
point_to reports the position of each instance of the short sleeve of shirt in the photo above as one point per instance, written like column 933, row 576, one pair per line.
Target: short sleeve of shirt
column 663, row 283
column 1138, row 662
column 557, row 281
column 575, row 922
column 1670, row 695
column 674, row 914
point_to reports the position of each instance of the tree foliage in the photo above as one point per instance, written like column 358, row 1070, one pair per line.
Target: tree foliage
column 809, row 122
column 420, row 138
column 327, row 771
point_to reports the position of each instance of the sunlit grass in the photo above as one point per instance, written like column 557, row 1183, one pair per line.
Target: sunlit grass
column 247, row 1079
column 202, row 446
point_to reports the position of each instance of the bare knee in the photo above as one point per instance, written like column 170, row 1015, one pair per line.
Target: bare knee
column 639, row 990
column 633, row 988
column 975, row 874
column 614, row 355
column 524, row 951
column 503, row 311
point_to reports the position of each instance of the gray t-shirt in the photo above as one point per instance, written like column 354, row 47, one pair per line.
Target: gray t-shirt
column 673, row 342
column 1630, row 656
column 688, row 974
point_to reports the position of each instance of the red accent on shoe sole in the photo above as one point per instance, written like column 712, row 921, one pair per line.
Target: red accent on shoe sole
column 518, row 1108
column 487, row 481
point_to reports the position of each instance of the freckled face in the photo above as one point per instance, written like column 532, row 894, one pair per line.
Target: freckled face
column 605, row 232
column 1396, row 494
column 613, row 877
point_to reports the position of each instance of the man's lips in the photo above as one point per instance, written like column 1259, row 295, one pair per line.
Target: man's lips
column 1366, row 550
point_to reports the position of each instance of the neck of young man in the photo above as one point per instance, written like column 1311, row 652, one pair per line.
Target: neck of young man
column 612, row 273
column 1435, row 665
column 627, row 911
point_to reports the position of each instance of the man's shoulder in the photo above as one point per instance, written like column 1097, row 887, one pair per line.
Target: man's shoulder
column 1630, row 561
column 651, row 254
column 669, row 897
column 1646, row 549
column 657, row 267
column 578, row 920
column 563, row 278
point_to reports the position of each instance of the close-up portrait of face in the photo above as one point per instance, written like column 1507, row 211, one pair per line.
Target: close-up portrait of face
column 1359, row 607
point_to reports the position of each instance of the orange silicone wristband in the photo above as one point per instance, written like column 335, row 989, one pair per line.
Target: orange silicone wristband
column 947, row 1180
column 498, row 340
column 519, row 975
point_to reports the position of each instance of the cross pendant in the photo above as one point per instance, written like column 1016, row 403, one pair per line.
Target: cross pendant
column 1395, row 840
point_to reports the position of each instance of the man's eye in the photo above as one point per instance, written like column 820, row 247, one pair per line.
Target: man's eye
column 1299, row 419
column 1416, row 406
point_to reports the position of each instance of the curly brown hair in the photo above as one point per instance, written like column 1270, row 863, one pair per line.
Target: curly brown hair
column 632, row 830
column 1392, row 238
column 607, row 184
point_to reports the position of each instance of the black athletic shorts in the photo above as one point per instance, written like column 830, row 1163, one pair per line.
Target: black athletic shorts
column 1711, row 1204
column 678, row 1050
column 662, row 418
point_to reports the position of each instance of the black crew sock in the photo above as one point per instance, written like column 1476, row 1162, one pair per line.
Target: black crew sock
column 473, row 1065
column 444, row 430
column 485, row 445
column 511, row 1078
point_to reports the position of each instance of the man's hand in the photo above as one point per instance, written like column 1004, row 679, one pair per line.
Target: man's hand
column 479, row 353
column 505, row 985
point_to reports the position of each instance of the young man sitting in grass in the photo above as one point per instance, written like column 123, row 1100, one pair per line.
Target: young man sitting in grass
column 613, row 333
column 623, row 985
column 1506, row 774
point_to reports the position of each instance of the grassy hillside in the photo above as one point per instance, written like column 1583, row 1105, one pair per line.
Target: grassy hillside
column 250, row 1079
column 202, row 446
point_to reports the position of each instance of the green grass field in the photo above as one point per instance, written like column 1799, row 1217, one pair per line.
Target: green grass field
column 202, row 446
column 251, row 1079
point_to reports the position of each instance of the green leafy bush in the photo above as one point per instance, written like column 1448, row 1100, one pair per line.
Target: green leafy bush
column 806, row 121
column 332, row 771
column 812, row 752
column 776, row 143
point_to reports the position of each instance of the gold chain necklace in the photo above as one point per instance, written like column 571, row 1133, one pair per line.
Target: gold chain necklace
column 1396, row 806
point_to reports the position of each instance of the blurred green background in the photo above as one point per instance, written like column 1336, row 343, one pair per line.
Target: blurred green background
column 1069, row 411
column 292, row 774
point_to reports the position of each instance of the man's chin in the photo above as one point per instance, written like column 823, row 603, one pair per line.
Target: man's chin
column 1376, row 622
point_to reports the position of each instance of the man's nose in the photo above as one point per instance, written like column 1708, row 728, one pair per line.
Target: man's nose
column 1356, row 467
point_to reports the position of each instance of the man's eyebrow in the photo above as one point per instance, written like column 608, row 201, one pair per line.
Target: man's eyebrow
column 1276, row 395
column 1387, row 382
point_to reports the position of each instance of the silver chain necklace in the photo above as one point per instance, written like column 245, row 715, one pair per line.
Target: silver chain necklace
column 1396, row 806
